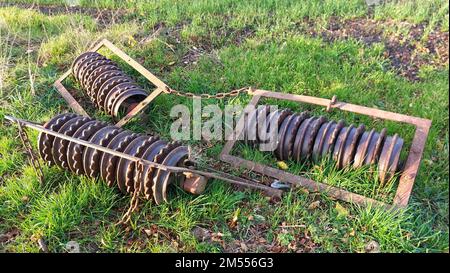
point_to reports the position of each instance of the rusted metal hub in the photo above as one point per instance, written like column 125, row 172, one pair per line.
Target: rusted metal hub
column 302, row 137
column 114, row 170
column 108, row 87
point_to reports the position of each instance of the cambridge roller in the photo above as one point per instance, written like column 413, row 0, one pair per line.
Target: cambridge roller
column 115, row 171
column 107, row 86
column 303, row 137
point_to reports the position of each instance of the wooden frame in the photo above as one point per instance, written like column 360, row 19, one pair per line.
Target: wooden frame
column 160, row 85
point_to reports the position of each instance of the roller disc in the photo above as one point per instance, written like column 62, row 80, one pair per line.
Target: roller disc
column 107, row 162
column 76, row 63
column 127, row 98
column 338, row 151
column 389, row 158
column 283, row 131
column 350, row 146
column 96, row 73
column 310, row 136
column 75, row 161
column 146, row 178
column 92, row 157
column 107, row 86
column 100, row 80
column 157, row 179
column 300, row 137
column 115, row 92
column 125, row 168
column 85, row 64
column 321, row 139
column 59, row 148
column 164, row 178
column 90, row 68
column 45, row 141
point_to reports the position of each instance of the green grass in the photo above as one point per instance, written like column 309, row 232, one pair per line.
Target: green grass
column 275, row 55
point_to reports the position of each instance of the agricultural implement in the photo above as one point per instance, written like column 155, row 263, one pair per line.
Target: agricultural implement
column 145, row 165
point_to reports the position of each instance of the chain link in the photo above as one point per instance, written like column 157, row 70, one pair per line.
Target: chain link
column 232, row 93
column 33, row 160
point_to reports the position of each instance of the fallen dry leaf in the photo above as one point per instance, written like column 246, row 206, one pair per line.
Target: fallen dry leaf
column 282, row 165
column 314, row 205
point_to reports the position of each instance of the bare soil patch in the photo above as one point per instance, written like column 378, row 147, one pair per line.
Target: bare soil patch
column 407, row 52
column 102, row 16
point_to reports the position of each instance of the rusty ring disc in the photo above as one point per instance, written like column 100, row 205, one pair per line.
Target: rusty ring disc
column 362, row 148
column 261, row 115
column 135, row 95
column 85, row 64
column 70, row 146
column 82, row 62
column 101, row 79
column 133, row 181
column 340, row 144
column 332, row 138
column 299, row 137
column 90, row 69
column 76, row 63
column 105, row 157
column 390, row 155
column 289, row 138
column 350, row 145
column 159, row 158
column 370, row 153
column 379, row 145
column 164, row 178
column 265, row 127
column 122, row 166
column 98, row 72
column 45, row 141
column 320, row 139
column 310, row 136
column 106, row 88
column 111, row 166
column 59, row 147
column 91, row 157
column 146, row 178
column 144, row 154
column 283, row 131
column 115, row 91
column 277, row 119
column 83, row 133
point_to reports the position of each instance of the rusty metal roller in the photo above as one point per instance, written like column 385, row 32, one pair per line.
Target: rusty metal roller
column 107, row 86
column 115, row 171
column 303, row 137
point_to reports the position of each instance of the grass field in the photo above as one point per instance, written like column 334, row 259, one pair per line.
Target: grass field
column 393, row 57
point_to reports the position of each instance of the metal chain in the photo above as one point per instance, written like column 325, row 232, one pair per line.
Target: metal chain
column 232, row 93
column 134, row 201
column 32, row 158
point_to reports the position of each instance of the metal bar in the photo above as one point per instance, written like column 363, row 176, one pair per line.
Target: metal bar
column 97, row 46
column 142, row 70
column 239, row 128
column 377, row 113
column 140, row 106
column 307, row 183
column 411, row 167
column 70, row 99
